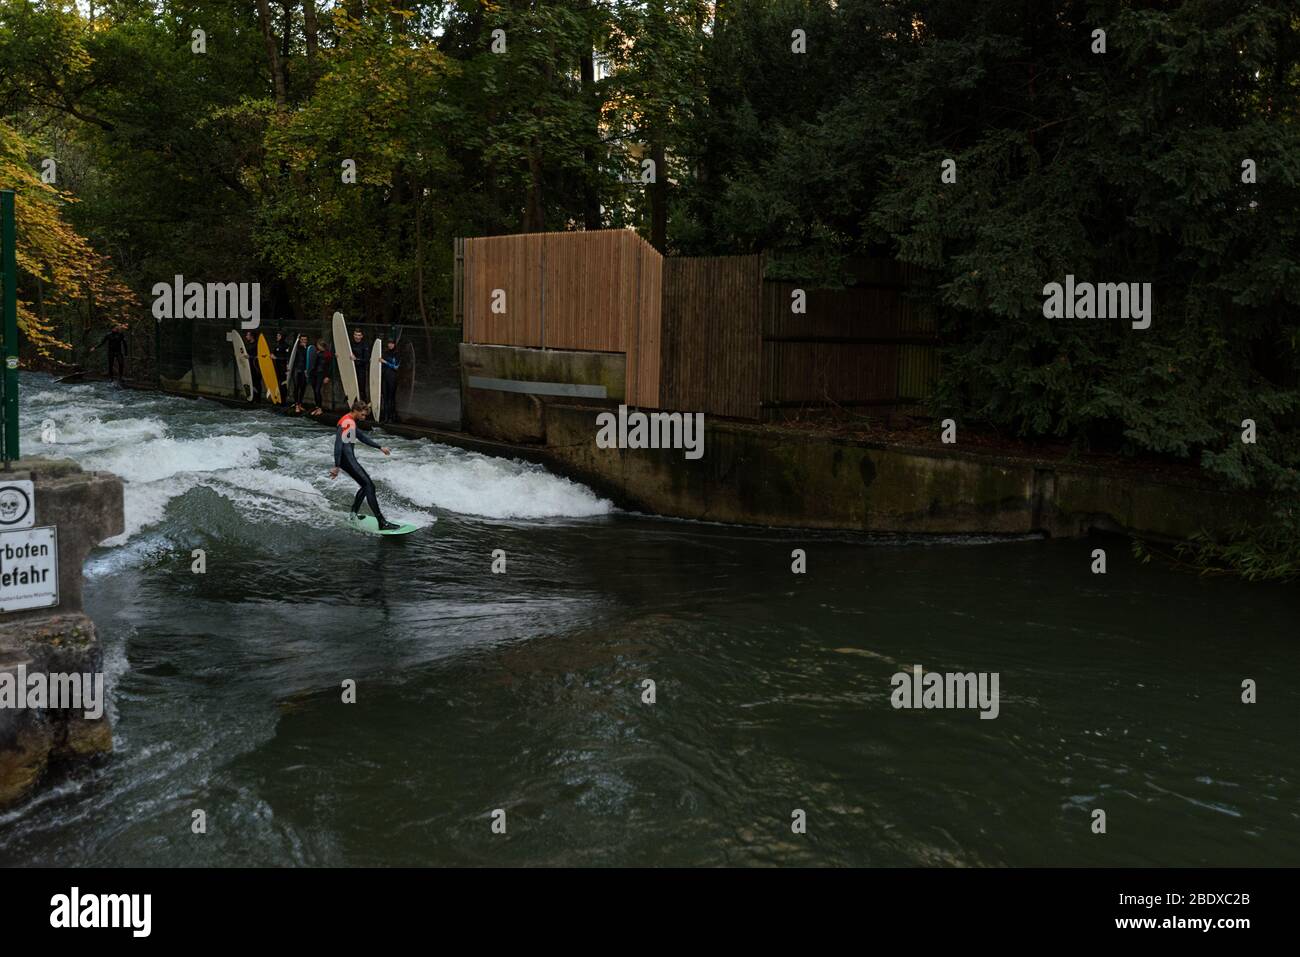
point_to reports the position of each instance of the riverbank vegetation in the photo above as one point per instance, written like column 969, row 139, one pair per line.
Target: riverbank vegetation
column 216, row 140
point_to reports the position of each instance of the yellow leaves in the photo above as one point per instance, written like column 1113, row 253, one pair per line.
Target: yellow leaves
column 52, row 252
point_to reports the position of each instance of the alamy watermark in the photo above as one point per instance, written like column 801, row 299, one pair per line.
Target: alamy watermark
column 933, row 689
column 75, row 909
column 58, row 691
column 1103, row 300
column 653, row 430
column 179, row 299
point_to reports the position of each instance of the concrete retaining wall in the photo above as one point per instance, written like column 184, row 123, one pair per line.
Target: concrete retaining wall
column 506, row 389
column 753, row 475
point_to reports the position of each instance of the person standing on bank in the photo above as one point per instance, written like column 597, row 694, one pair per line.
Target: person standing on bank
column 280, row 356
column 361, row 359
column 255, row 371
column 388, row 383
column 297, row 375
column 322, row 361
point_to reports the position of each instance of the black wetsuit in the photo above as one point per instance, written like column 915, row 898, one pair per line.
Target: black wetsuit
column 280, row 358
column 361, row 359
column 388, row 380
column 116, row 353
column 321, row 359
column 255, row 370
column 298, row 374
column 345, row 458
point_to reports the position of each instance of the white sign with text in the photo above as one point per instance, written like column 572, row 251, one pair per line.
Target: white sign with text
column 29, row 569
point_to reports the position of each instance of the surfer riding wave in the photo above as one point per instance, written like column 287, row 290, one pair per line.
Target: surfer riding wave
column 345, row 458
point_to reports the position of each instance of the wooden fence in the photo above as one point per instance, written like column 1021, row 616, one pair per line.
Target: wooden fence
column 712, row 334
column 596, row 291
column 864, row 344
column 701, row 334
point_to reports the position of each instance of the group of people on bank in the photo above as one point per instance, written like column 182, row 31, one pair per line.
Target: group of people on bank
column 316, row 365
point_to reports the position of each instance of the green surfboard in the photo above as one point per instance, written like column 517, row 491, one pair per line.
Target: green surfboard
column 368, row 523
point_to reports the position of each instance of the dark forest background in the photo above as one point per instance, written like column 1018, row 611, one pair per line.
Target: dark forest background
column 1122, row 166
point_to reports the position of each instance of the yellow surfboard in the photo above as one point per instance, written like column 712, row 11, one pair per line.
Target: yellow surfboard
column 270, row 381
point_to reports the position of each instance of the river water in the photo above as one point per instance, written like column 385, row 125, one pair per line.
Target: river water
column 524, row 691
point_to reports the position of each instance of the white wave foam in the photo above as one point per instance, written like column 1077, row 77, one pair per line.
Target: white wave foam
column 145, row 504
column 163, row 458
column 474, row 484
column 164, row 448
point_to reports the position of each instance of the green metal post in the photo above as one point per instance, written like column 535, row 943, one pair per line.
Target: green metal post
column 9, row 277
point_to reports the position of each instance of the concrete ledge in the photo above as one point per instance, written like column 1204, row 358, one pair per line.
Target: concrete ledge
column 506, row 389
column 753, row 475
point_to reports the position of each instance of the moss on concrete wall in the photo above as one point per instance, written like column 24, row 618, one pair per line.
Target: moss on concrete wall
column 757, row 475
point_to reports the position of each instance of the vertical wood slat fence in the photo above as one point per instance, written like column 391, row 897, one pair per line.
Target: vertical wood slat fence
column 712, row 334
column 595, row 291
column 865, row 344
column 702, row 334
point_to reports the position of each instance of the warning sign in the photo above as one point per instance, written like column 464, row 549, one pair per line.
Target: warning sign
column 17, row 505
column 29, row 569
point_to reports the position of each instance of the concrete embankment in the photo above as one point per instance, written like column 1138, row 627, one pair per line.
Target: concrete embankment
column 768, row 475
column 771, row 475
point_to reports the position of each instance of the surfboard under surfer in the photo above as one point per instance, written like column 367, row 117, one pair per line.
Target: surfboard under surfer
column 345, row 458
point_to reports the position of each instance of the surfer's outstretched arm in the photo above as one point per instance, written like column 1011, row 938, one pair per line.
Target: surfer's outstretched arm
column 369, row 441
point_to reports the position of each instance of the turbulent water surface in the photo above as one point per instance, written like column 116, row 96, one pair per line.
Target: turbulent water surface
column 523, row 691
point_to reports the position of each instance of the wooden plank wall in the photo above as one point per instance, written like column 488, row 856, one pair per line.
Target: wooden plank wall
column 512, row 264
column 644, row 365
column 589, row 281
column 563, row 290
column 703, row 334
column 596, row 291
column 712, row 334
column 865, row 344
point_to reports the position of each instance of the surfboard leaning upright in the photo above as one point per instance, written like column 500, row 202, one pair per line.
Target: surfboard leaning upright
column 343, row 352
column 241, row 364
column 266, row 363
column 376, row 377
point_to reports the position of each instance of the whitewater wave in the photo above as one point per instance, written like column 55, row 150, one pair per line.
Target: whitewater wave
column 473, row 484
column 165, row 449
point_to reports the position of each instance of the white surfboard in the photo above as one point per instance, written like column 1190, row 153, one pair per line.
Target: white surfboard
column 343, row 351
column 376, row 377
column 241, row 364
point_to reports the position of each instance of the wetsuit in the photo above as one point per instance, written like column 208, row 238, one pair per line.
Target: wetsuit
column 345, row 458
column 361, row 359
column 319, row 370
column 298, row 375
column 279, row 358
column 255, row 370
column 388, row 384
column 116, row 353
